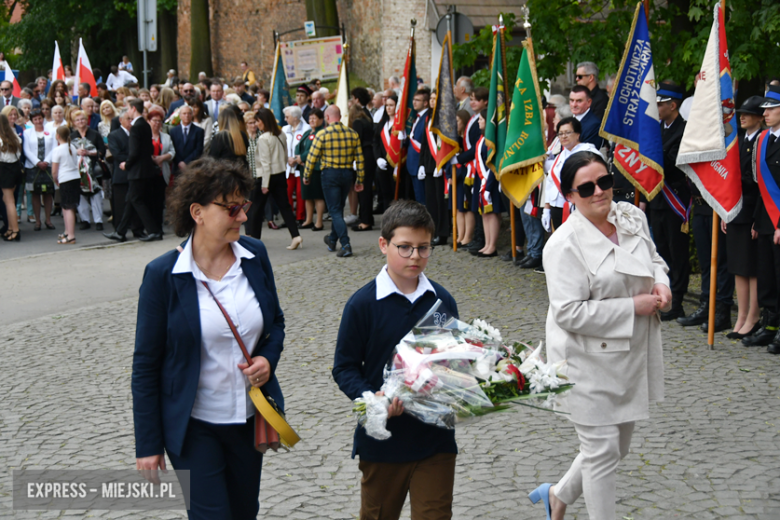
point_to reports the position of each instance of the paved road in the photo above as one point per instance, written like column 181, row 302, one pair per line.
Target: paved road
column 711, row 450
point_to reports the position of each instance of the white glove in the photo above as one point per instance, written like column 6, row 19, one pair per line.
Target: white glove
column 421, row 173
column 437, row 173
column 354, row 165
column 454, row 160
column 381, row 163
column 401, row 135
column 546, row 220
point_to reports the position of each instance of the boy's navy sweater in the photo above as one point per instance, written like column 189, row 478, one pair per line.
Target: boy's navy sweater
column 369, row 332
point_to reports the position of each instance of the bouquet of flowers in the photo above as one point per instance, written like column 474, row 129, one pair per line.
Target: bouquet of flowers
column 447, row 371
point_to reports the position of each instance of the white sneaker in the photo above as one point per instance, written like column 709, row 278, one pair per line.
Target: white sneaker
column 352, row 219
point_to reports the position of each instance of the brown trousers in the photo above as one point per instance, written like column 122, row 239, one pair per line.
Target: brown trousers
column 429, row 483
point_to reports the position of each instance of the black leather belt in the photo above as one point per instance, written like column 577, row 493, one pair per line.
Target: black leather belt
column 622, row 194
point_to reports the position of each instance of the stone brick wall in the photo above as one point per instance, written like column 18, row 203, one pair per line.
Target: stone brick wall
column 363, row 22
column 396, row 16
column 377, row 31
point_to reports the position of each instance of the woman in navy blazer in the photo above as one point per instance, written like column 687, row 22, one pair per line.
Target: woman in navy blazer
column 190, row 382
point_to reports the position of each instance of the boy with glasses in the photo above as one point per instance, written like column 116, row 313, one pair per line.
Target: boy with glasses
column 418, row 458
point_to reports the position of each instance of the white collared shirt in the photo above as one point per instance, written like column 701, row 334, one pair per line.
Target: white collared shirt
column 750, row 137
column 385, row 286
column 579, row 117
column 222, row 395
column 775, row 132
column 134, row 120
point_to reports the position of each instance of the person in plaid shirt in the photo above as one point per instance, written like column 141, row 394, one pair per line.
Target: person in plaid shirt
column 337, row 148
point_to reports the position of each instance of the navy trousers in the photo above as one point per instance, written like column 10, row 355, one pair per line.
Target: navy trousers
column 224, row 470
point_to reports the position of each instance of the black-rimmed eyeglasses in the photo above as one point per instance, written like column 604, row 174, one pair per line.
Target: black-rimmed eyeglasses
column 405, row 251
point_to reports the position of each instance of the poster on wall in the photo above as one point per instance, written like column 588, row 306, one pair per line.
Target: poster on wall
column 305, row 60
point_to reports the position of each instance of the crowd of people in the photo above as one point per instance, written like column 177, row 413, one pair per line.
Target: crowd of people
column 130, row 143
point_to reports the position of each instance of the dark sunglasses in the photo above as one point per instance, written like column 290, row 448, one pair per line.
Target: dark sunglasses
column 5, row 89
column 233, row 209
column 580, row 76
column 587, row 189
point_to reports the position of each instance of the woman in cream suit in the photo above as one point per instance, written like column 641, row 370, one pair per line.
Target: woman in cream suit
column 605, row 282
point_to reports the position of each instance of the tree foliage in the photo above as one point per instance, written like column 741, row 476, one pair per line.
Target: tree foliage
column 103, row 24
column 596, row 30
column 466, row 54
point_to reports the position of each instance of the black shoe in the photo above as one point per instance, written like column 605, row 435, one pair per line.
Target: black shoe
column 115, row 236
column 764, row 335
column 345, row 251
column 506, row 257
column 491, row 255
column 84, row 225
column 697, row 317
column 532, row 262
column 151, row 236
column 306, row 226
column 358, row 228
column 330, row 243
column 139, row 234
column 99, row 226
column 539, row 269
column 315, row 228
column 773, row 348
column 722, row 319
column 737, row 335
column 437, row 241
column 475, row 246
column 676, row 312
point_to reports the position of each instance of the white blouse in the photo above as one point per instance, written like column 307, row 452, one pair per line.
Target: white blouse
column 222, row 395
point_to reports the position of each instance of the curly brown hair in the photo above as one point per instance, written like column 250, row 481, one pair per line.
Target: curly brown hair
column 203, row 182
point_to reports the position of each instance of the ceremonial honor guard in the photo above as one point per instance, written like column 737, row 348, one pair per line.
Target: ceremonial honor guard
column 416, row 168
column 434, row 187
column 767, row 171
column 669, row 213
column 742, row 249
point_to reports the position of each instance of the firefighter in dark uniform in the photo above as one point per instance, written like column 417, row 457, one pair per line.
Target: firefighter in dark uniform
column 670, row 240
column 768, row 246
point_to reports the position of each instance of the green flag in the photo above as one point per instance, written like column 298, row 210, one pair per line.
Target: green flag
column 521, row 164
column 495, row 125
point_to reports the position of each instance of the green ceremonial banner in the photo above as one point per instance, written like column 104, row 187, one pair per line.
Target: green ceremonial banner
column 521, row 167
column 496, row 123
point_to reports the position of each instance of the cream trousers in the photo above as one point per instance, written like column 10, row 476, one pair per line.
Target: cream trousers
column 593, row 471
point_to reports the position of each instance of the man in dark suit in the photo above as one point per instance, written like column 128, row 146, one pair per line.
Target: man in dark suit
column 119, row 145
column 580, row 103
column 769, row 232
column 187, row 90
column 187, row 139
column 6, row 95
column 672, row 243
column 587, row 75
column 141, row 171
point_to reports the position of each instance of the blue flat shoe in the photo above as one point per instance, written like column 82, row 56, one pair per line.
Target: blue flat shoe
column 542, row 493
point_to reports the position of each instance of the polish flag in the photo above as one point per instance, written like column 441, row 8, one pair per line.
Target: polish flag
column 57, row 70
column 84, row 71
column 8, row 75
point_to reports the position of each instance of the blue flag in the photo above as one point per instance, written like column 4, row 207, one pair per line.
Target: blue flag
column 280, row 96
column 632, row 118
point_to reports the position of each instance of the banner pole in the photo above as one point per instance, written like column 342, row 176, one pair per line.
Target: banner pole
column 454, row 195
column 713, row 280
column 397, row 179
column 512, row 225
column 636, row 196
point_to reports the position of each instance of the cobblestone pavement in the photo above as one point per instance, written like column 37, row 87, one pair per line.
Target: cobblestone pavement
column 711, row 450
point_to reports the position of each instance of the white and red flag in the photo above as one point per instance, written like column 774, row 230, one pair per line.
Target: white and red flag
column 84, row 71
column 57, row 70
column 8, row 75
column 709, row 154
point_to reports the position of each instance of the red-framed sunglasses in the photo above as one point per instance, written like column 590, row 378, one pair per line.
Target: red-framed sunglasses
column 233, row 209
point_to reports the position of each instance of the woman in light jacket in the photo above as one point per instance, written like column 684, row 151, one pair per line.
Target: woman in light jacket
column 38, row 145
column 163, row 157
column 271, row 162
column 606, row 283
